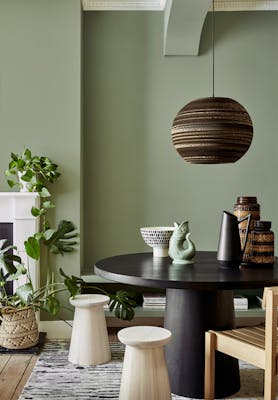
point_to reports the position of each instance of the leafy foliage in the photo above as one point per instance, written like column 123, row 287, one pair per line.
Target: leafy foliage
column 44, row 298
column 7, row 259
column 122, row 302
column 39, row 171
column 33, row 169
column 32, row 247
column 60, row 241
column 72, row 283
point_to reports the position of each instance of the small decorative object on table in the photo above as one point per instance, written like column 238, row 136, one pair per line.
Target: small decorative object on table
column 230, row 251
column 181, row 248
column 244, row 206
column 262, row 244
column 158, row 238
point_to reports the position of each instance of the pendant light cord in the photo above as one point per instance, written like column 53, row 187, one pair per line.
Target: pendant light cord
column 212, row 39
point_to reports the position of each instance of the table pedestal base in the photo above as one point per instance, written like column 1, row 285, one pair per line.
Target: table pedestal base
column 189, row 313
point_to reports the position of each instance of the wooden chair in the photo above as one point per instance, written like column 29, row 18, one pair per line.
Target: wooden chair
column 255, row 345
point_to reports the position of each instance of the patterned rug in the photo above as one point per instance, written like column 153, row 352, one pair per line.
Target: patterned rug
column 54, row 378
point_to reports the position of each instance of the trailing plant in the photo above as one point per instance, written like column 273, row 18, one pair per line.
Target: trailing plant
column 36, row 170
column 45, row 298
column 39, row 172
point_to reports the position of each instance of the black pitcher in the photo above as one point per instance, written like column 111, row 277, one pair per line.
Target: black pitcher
column 229, row 247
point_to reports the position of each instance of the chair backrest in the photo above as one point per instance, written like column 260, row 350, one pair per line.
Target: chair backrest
column 270, row 303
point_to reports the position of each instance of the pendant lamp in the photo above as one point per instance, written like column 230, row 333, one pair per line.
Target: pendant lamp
column 212, row 130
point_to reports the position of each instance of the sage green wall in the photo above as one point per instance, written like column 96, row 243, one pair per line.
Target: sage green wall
column 40, row 67
column 133, row 175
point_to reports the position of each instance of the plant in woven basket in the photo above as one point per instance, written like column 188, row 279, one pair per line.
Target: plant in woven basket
column 38, row 172
column 19, row 327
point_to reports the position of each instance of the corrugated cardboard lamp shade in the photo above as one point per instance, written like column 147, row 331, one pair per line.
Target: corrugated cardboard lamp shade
column 212, row 130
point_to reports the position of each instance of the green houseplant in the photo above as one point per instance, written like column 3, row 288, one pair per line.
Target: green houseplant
column 39, row 172
column 44, row 298
column 21, row 305
column 31, row 173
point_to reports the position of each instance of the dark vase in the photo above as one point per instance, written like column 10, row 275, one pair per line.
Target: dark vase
column 262, row 244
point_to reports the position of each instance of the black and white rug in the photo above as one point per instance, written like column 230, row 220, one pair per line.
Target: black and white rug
column 54, row 378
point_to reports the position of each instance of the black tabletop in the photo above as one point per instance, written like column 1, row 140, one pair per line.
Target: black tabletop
column 142, row 269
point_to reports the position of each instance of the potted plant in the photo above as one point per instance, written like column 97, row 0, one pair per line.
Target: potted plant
column 19, row 328
column 38, row 172
column 34, row 174
column 31, row 173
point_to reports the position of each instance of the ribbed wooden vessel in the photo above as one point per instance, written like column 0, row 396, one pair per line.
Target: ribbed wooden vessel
column 212, row 130
column 244, row 206
column 262, row 244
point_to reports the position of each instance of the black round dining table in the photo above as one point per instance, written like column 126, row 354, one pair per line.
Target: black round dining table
column 199, row 297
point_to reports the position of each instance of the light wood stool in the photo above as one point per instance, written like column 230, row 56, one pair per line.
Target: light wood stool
column 145, row 375
column 89, row 343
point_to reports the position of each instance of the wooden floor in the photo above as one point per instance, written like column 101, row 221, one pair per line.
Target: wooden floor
column 16, row 369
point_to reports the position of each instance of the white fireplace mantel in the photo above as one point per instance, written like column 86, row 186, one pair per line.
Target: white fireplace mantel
column 15, row 208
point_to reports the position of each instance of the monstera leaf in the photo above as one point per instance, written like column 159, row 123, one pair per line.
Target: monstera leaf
column 123, row 303
column 7, row 258
column 51, row 304
column 25, row 293
column 72, row 283
column 60, row 240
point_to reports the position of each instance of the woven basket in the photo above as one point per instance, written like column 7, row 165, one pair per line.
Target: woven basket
column 19, row 328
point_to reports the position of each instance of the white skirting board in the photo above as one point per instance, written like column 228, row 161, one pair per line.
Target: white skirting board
column 61, row 329
column 56, row 329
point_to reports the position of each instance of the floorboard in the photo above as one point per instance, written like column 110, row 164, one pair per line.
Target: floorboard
column 24, row 377
column 12, row 374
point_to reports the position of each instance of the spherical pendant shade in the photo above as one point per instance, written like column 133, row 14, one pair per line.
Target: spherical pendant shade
column 212, row 130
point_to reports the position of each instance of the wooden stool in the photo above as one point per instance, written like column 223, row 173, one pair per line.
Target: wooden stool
column 89, row 343
column 145, row 375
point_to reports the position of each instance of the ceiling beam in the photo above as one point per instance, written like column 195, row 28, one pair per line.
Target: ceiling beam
column 183, row 24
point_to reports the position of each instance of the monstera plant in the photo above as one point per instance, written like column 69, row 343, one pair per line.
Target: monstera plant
column 40, row 172
column 24, row 301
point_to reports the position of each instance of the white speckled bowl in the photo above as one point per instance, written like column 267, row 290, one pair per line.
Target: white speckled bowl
column 158, row 238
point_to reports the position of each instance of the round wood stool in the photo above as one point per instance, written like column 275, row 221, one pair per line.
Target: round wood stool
column 145, row 374
column 89, row 343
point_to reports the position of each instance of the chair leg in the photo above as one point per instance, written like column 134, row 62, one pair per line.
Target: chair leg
column 269, row 384
column 210, row 340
